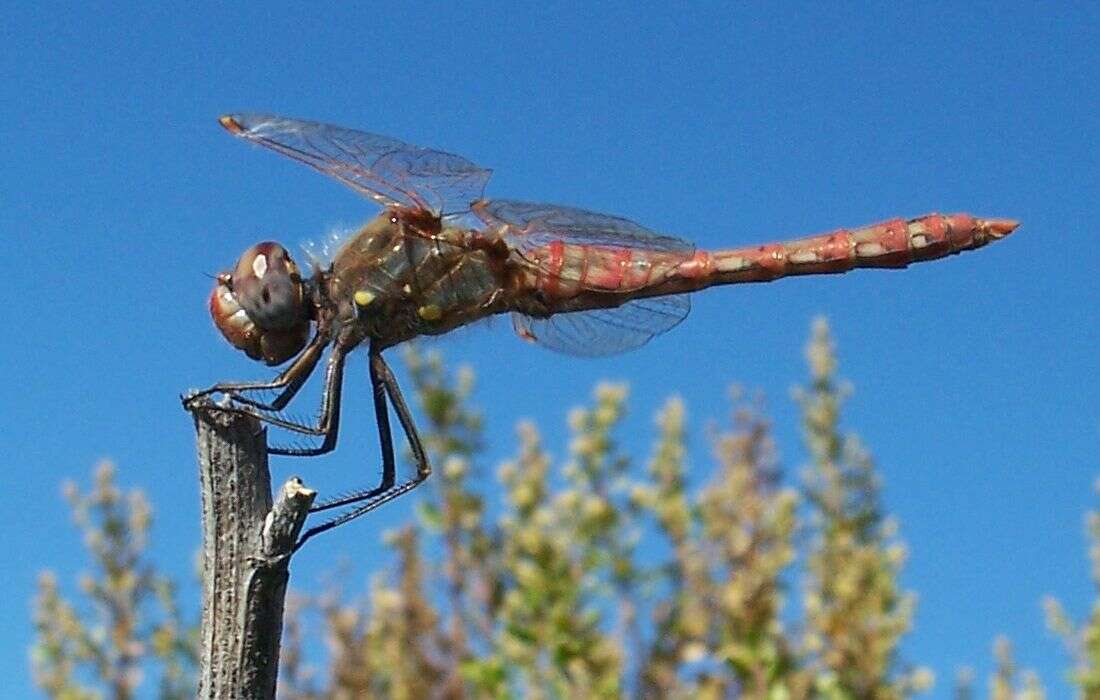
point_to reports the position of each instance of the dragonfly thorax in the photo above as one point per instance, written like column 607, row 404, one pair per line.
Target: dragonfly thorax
column 404, row 274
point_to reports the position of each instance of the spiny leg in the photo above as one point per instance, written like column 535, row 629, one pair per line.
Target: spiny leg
column 381, row 378
column 385, row 439
column 290, row 380
column 328, row 424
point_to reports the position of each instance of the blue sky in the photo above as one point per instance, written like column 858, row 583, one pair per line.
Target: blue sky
column 976, row 377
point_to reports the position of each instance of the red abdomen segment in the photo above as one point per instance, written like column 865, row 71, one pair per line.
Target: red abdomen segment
column 598, row 276
column 896, row 243
column 567, row 269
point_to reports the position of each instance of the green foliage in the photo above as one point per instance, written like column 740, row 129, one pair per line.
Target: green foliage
column 604, row 577
column 1009, row 684
column 126, row 622
column 1083, row 639
column 597, row 575
column 855, row 613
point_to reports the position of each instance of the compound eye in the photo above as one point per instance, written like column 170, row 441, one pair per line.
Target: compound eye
column 269, row 287
column 261, row 307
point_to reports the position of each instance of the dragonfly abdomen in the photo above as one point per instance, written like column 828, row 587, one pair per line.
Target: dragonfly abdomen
column 577, row 277
column 563, row 270
column 891, row 244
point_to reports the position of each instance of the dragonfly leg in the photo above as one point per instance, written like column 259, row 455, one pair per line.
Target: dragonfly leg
column 289, row 380
column 384, row 385
column 385, row 439
column 328, row 424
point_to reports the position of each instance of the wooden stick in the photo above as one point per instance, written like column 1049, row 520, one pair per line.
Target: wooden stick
column 247, row 542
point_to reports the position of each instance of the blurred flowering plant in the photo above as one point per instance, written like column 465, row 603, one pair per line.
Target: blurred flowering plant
column 602, row 575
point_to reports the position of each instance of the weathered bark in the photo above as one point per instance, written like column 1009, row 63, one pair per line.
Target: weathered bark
column 246, row 543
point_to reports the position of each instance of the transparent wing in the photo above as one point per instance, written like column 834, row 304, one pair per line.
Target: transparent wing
column 391, row 172
column 582, row 247
column 529, row 225
column 600, row 332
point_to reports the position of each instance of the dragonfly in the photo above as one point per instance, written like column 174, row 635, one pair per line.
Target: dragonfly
column 440, row 256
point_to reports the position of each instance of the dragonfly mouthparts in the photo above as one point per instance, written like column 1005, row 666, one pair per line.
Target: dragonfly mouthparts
column 999, row 228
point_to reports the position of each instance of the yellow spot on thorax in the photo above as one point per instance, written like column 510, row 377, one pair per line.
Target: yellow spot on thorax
column 430, row 312
column 364, row 298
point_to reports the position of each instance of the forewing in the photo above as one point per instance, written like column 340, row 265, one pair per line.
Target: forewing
column 391, row 172
column 531, row 225
column 601, row 332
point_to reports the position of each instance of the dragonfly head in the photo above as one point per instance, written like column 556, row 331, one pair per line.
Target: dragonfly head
column 261, row 306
